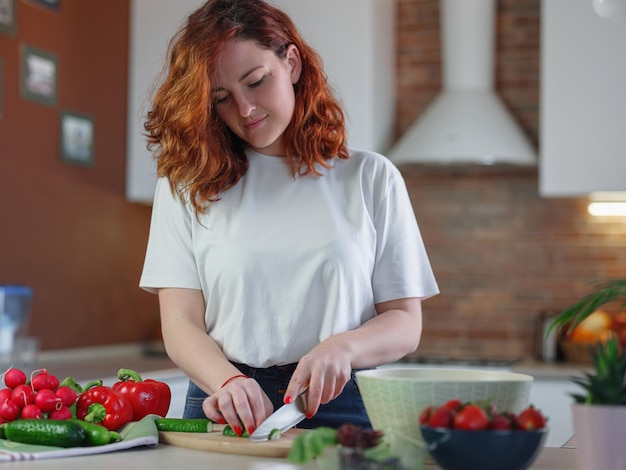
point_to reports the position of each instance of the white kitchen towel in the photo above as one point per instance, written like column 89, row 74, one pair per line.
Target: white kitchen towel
column 135, row 434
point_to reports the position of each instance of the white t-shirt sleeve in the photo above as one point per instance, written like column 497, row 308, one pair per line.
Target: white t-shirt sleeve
column 402, row 268
column 169, row 261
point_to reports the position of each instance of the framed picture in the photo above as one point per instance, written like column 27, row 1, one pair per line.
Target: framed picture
column 52, row 4
column 39, row 76
column 7, row 17
column 77, row 138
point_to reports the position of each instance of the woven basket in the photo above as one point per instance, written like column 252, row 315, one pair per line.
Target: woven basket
column 574, row 351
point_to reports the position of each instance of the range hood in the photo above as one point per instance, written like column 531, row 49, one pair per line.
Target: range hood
column 467, row 123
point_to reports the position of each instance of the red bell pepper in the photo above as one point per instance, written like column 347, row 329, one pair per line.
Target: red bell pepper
column 103, row 405
column 145, row 396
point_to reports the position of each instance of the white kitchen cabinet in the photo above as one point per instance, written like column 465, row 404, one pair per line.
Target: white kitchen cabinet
column 355, row 38
column 178, row 385
column 583, row 100
column 552, row 397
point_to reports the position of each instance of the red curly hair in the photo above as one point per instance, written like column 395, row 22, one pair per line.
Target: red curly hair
column 192, row 145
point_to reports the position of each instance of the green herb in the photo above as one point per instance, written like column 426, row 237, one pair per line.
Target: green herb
column 311, row 444
column 308, row 445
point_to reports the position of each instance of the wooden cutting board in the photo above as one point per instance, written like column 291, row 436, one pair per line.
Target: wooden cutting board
column 215, row 442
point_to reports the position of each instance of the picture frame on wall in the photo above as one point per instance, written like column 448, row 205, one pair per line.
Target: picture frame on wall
column 77, row 138
column 51, row 4
column 7, row 17
column 39, row 76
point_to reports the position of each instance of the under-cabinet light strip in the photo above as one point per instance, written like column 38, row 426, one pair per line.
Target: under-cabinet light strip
column 607, row 208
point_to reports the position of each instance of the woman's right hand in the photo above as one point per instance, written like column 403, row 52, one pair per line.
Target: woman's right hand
column 241, row 403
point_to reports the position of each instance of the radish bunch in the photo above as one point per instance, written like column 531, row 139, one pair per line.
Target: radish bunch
column 40, row 397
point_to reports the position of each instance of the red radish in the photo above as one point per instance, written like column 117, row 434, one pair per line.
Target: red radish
column 66, row 394
column 9, row 411
column 47, row 400
column 5, row 394
column 62, row 413
column 22, row 395
column 43, row 380
column 30, row 412
column 14, row 377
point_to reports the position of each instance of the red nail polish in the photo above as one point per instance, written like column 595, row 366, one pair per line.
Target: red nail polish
column 221, row 421
column 309, row 415
column 238, row 430
column 250, row 429
column 287, row 399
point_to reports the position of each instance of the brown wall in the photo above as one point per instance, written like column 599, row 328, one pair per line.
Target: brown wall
column 67, row 230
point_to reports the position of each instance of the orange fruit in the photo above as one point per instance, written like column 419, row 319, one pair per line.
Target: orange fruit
column 596, row 327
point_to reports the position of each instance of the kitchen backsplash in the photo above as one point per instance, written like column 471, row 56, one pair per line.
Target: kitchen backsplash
column 502, row 254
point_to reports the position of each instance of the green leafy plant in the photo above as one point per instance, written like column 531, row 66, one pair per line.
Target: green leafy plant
column 607, row 384
column 605, row 292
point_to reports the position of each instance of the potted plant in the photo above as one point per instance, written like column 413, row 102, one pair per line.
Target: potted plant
column 600, row 412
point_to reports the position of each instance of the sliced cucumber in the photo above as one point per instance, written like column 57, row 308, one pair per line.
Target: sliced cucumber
column 184, row 425
column 228, row 431
column 275, row 434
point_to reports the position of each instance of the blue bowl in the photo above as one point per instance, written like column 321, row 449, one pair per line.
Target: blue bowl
column 483, row 450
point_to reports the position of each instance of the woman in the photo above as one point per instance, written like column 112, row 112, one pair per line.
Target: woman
column 283, row 260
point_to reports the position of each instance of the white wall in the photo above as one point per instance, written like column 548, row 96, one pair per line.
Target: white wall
column 152, row 23
column 356, row 41
column 583, row 100
column 354, row 37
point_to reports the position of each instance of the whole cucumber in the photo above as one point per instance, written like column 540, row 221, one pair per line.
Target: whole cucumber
column 45, row 432
column 95, row 434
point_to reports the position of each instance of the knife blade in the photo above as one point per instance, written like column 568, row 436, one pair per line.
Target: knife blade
column 285, row 418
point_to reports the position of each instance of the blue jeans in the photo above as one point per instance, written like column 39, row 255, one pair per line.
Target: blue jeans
column 346, row 408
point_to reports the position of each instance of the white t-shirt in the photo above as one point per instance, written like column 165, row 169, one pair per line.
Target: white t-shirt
column 284, row 262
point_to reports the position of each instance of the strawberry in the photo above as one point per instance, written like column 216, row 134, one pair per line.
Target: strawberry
column 471, row 418
column 500, row 422
column 425, row 414
column 531, row 418
column 453, row 405
column 441, row 417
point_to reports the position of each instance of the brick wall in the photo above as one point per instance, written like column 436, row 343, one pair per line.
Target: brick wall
column 501, row 253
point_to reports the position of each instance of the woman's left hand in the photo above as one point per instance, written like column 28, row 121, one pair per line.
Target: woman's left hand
column 324, row 371
column 394, row 332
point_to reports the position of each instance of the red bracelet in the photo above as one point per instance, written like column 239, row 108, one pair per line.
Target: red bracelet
column 233, row 378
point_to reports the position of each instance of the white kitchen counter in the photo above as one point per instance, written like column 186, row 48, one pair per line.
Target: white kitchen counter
column 167, row 457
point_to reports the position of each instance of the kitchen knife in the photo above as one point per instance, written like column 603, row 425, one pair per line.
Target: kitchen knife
column 284, row 418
